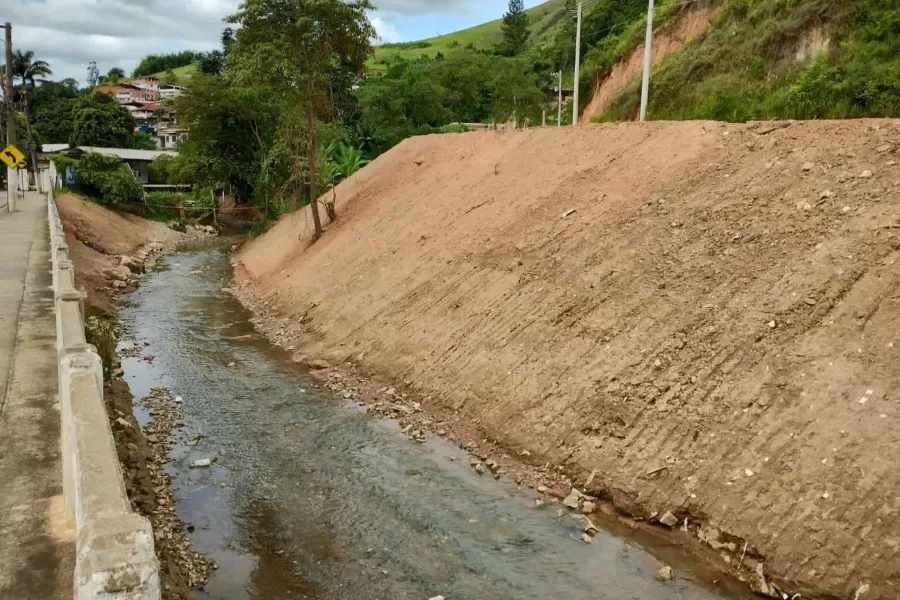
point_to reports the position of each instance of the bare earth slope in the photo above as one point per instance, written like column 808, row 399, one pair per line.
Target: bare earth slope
column 97, row 237
column 724, row 301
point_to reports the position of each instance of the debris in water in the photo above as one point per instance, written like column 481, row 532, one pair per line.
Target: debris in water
column 201, row 462
column 666, row 574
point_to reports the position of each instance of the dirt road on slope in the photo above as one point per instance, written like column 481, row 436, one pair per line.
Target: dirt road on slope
column 705, row 316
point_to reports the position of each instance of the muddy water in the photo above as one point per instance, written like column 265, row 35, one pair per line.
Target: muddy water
column 310, row 497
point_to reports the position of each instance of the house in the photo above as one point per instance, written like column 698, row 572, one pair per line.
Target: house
column 168, row 139
column 143, row 112
column 170, row 91
column 148, row 84
column 137, row 161
column 126, row 92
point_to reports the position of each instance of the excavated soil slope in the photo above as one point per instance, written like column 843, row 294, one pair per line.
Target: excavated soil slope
column 96, row 237
column 687, row 26
column 719, row 300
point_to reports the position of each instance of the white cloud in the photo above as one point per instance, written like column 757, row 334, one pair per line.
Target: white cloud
column 118, row 33
column 386, row 30
column 427, row 7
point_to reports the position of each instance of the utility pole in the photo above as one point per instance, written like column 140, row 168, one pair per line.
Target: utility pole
column 11, row 174
column 577, row 66
column 648, row 59
column 559, row 101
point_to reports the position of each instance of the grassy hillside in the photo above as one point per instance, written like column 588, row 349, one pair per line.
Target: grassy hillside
column 182, row 74
column 544, row 20
column 765, row 59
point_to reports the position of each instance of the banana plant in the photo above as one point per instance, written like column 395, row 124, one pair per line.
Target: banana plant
column 341, row 161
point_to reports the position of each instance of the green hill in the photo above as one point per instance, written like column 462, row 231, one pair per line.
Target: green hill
column 544, row 21
column 182, row 74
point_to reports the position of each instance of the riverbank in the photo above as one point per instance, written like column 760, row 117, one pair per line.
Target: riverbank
column 693, row 321
column 111, row 252
column 296, row 491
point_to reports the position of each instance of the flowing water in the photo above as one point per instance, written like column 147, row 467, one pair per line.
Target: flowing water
column 310, row 497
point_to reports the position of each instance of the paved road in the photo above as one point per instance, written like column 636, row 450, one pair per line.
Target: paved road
column 37, row 549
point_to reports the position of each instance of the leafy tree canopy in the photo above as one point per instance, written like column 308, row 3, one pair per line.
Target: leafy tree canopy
column 98, row 120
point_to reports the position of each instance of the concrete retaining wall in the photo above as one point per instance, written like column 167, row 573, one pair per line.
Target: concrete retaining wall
column 115, row 558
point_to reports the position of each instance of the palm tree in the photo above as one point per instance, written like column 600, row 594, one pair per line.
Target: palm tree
column 27, row 69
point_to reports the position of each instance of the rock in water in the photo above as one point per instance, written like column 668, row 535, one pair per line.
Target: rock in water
column 572, row 499
column 665, row 574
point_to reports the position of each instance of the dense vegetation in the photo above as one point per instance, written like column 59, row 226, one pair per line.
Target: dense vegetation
column 465, row 86
column 160, row 63
column 107, row 179
column 297, row 99
column 745, row 66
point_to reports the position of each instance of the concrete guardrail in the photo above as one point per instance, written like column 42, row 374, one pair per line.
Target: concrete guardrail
column 115, row 558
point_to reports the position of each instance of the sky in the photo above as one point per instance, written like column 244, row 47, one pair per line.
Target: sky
column 118, row 33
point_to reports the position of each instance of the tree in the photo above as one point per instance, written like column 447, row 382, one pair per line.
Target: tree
column 115, row 75
column 212, row 63
column 169, row 77
column 98, row 120
column 93, row 74
column 51, row 106
column 294, row 47
column 230, row 133
column 144, row 141
column 515, row 28
column 157, row 63
column 27, row 69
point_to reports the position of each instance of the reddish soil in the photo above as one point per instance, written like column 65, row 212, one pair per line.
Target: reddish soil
column 706, row 316
column 686, row 27
column 96, row 237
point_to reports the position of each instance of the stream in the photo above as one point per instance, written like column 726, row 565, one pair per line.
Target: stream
column 310, row 497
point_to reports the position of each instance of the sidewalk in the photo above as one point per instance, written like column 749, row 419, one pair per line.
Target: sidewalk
column 37, row 548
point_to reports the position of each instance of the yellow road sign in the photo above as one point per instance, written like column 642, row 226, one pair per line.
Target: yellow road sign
column 12, row 157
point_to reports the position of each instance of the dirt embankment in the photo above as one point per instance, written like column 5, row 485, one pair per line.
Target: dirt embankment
column 110, row 251
column 695, row 317
column 688, row 25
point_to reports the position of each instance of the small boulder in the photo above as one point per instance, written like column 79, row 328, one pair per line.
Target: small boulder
column 573, row 499
column 119, row 273
column 586, row 524
column 668, row 519
column 132, row 264
column 665, row 574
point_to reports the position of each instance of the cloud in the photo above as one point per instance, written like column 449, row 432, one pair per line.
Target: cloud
column 427, row 7
column 118, row 33
column 387, row 32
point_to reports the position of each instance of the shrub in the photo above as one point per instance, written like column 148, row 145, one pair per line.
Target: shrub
column 108, row 179
column 101, row 333
column 163, row 205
